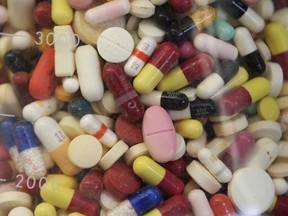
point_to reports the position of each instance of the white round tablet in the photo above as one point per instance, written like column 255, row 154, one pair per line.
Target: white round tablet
column 20, row 211
column 85, row 151
column 251, row 190
column 115, row 44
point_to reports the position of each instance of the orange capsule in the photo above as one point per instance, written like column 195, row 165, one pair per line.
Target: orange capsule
column 221, row 205
column 43, row 80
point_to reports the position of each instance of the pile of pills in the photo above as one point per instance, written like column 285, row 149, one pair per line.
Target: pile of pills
column 143, row 107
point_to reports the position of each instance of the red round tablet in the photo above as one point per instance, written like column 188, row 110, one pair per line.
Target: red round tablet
column 91, row 185
column 130, row 133
column 120, row 181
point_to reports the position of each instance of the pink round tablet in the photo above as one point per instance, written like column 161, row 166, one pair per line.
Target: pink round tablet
column 80, row 4
column 159, row 134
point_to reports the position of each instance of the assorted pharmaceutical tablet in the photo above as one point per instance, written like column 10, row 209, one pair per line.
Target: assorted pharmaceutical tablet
column 143, row 107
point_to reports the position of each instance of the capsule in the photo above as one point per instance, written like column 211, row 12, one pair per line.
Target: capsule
column 156, row 68
column 240, row 78
column 221, row 205
column 56, row 142
column 215, row 81
column 154, row 174
column 223, row 30
column 107, row 11
column 9, row 140
column 190, row 71
column 176, row 205
column 126, row 98
column 164, row 16
column 249, row 52
column 243, row 96
column 138, row 203
column 236, row 153
column 33, row 111
column 215, row 47
column 238, row 10
column 215, row 166
column 198, row 20
column 93, row 126
column 200, row 204
column 276, row 38
column 198, row 108
column 68, row 199
column 167, row 100
column 29, row 149
column 140, row 56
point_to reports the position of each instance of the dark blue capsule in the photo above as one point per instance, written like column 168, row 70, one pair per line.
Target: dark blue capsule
column 145, row 199
column 79, row 107
column 24, row 135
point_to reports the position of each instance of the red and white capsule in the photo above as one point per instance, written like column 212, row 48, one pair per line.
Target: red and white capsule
column 140, row 56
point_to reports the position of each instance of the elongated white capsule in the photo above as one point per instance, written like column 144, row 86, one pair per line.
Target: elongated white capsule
column 214, row 165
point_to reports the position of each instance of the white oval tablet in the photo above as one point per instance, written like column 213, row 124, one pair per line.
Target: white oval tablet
column 85, row 151
column 251, row 190
column 115, row 44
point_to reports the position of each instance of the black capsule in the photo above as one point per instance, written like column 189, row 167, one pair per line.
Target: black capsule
column 255, row 63
column 180, row 31
column 227, row 70
column 235, row 8
column 164, row 16
column 201, row 108
column 174, row 100
column 15, row 61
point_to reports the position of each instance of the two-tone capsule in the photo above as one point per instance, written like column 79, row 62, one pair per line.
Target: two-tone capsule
column 137, row 204
column 211, row 84
column 249, row 52
column 140, row 56
column 167, row 100
column 198, row 108
column 198, row 20
column 153, row 173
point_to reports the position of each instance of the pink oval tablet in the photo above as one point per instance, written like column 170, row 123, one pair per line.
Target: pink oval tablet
column 159, row 134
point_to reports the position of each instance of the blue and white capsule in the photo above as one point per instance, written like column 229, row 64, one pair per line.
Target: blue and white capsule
column 29, row 149
column 9, row 141
column 138, row 203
